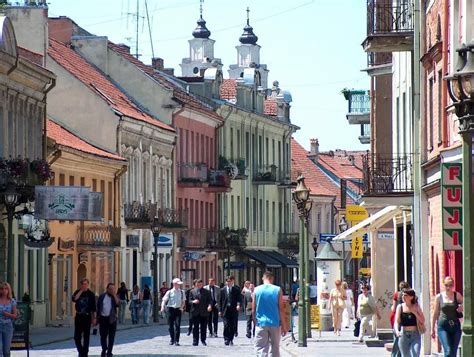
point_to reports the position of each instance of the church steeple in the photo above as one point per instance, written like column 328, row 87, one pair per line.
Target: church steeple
column 248, row 37
column 201, row 50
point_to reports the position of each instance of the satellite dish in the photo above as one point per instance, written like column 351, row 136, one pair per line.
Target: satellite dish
column 232, row 170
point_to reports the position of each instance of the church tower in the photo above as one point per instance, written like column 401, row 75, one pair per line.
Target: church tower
column 248, row 55
column 201, row 51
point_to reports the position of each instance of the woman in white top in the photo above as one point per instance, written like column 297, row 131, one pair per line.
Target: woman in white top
column 135, row 304
column 348, row 313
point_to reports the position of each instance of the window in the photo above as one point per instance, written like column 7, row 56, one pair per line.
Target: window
column 267, row 216
column 430, row 115
column 267, row 152
column 247, row 147
column 254, row 226
column 232, row 143
column 440, row 107
column 280, row 217
column 247, row 213
column 260, row 211
column 273, row 217
column 232, row 211
column 238, row 153
column 260, row 151
column 239, row 211
column 279, row 154
column 273, row 152
column 144, row 180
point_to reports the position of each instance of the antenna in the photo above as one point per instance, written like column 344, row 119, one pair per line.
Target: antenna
column 149, row 29
column 135, row 16
column 138, row 22
column 248, row 15
column 200, row 7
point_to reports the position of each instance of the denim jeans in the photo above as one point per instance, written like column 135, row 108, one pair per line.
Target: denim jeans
column 122, row 308
column 6, row 330
column 146, row 311
column 409, row 343
column 449, row 334
column 135, row 310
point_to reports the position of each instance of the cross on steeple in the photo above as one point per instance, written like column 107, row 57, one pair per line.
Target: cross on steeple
column 248, row 15
column 200, row 6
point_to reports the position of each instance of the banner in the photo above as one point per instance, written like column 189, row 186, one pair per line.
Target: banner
column 68, row 203
column 357, row 248
column 451, row 196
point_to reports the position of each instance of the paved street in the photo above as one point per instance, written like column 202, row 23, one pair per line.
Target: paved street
column 153, row 341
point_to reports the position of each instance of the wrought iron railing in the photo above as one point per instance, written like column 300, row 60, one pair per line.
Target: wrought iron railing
column 137, row 212
column 265, row 173
column 200, row 238
column 192, row 172
column 236, row 168
column 219, row 178
column 234, row 239
column 289, row 241
column 378, row 58
column 358, row 100
column 172, row 218
column 383, row 17
column 387, row 174
column 99, row 235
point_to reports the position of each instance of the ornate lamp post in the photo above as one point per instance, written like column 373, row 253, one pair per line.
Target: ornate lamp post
column 301, row 198
column 343, row 226
column 10, row 197
column 155, row 229
column 461, row 91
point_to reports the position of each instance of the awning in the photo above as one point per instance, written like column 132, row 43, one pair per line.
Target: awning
column 287, row 262
column 372, row 223
column 261, row 257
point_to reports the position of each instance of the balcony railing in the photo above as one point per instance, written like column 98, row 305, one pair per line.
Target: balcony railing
column 364, row 137
column 219, row 178
column 383, row 17
column 141, row 215
column 233, row 239
column 378, row 58
column 266, row 174
column 388, row 174
column 288, row 241
column 201, row 238
column 192, row 172
column 358, row 100
column 236, row 168
column 99, row 236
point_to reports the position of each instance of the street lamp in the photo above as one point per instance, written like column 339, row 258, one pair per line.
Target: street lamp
column 301, row 198
column 343, row 226
column 155, row 229
column 461, row 91
column 10, row 197
column 227, row 243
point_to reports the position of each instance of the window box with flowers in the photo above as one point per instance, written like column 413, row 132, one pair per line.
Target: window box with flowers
column 23, row 172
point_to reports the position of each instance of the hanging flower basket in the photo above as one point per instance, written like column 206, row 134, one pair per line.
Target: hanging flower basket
column 22, row 172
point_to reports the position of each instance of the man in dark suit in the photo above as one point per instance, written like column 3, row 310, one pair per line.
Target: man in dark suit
column 107, row 313
column 231, row 299
column 214, row 314
column 201, row 305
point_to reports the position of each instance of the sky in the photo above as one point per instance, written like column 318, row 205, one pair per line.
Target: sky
column 312, row 47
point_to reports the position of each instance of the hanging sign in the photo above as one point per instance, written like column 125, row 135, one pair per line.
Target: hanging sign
column 357, row 248
column 356, row 214
column 451, row 196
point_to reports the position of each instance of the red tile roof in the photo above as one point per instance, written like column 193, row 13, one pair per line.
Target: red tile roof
column 36, row 58
column 179, row 93
column 270, row 107
column 90, row 76
column 228, row 90
column 315, row 179
column 66, row 138
column 340, row 165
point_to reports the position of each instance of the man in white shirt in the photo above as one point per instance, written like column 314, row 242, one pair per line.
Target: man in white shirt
column 174, row 301
column 313, row 293
column 107, row 312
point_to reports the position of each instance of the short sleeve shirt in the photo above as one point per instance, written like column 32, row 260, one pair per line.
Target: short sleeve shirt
column 86, row 302
column 6, row 308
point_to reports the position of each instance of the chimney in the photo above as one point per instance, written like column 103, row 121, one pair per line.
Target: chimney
column 314, row 153
column 158, row 63
column 124, row 46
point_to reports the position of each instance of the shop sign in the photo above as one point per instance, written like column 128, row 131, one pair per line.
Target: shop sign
column 451, row 196
column 65, row 245
column 356, row 214
column 192, row 256
column 385, row 235
column 68, row 203
column 234, row 265
column 315, row 317
column 357, row 248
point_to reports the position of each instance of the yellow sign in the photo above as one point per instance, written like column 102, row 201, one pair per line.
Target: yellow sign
column 315, row 317
column 364, row 271
column 357, row 247
column 356, row 213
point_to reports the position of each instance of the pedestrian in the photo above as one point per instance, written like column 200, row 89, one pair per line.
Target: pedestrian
column 348, row 313
column 337, row 304
column 86, row 308
column 214, row 314
column 396, row 300
column 135, row 304
column 231, row 299
column 107, row 313
column 173, row 303
column 164, row 288
column 146, row 302
column 268, row 310
column 248, row 298
column 448, row 309
column 294, row 289
column 313, row 293
column 366, row 308
column 188, row 308
column 201, row 305
column 408, row 318
column 122, row 293
column 7, row 315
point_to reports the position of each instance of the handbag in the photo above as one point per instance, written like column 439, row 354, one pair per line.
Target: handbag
column 459, row 315
column 357, row 328
column 421, row 327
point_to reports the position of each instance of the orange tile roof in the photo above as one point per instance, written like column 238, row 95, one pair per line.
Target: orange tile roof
column 270, row 107
column 95, row 80
column 228, row 90
column 179, row 93
column 66, row 138
column 339, row 164
column 36, row 58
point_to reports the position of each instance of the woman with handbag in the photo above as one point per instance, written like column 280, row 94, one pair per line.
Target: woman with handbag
column 447, row 312
column 366, row 308
column 135, row 304
column 409, row 324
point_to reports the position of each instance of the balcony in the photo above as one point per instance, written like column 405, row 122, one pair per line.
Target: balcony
column 265, row 175
column 224, row 239
column 358, row 106
column 98, row 236
column 192, row 174
column 140, row 216
column 289, row 241
column 284, row 179
column 364, row 137
column 200, row 238
column 219, row 181
column 387, row 175
column 172, row 220
column 389, row 27
column 236, row 168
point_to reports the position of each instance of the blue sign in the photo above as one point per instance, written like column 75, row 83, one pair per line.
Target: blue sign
column 326, row 237
column 234, row 265
column 163, row 241
column 148, row 280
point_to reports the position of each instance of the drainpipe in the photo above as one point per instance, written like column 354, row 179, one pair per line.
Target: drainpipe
column 444, row 137
column 45, row 119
